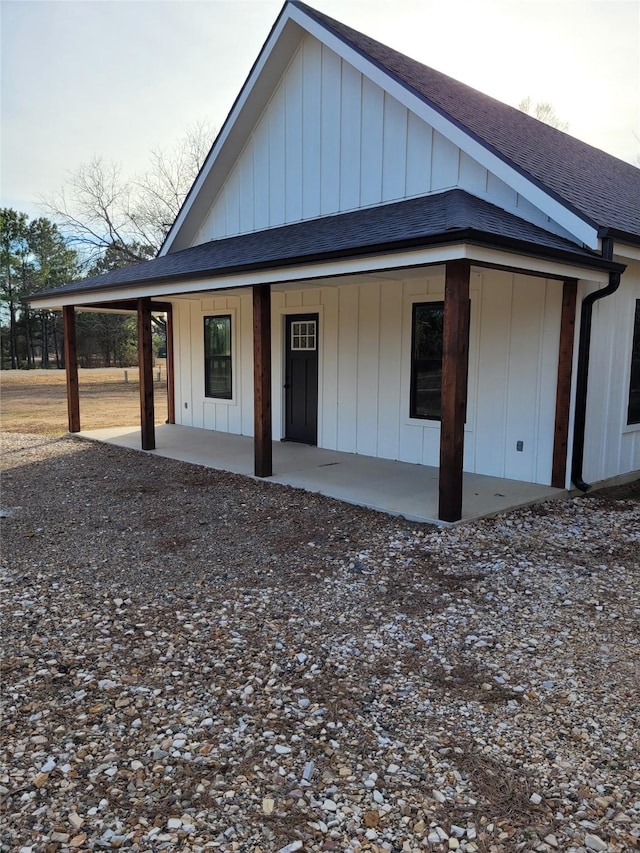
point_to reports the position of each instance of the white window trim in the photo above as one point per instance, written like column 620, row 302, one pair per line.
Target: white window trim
column 405, row 399
column 235, row 365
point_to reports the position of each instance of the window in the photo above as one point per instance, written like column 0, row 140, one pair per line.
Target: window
column 633, row 416
column 303, row 335
column 217, row 357
column 426, row 360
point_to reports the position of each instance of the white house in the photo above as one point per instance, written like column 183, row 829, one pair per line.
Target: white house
column 378, row 259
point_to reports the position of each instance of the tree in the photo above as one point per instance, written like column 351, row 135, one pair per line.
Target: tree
column 33, row 257
column 543, row 111
column 13, row 250
column 53, row 264
column 104, row 212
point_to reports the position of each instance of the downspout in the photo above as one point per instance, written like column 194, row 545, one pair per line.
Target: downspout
column 582, row 378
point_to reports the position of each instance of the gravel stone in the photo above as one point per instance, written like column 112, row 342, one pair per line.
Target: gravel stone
column 197, row 661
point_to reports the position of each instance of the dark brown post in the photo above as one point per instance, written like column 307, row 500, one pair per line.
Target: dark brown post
column 145, row 366
column 71, row 367
column 171, row 394
column 455, row 369
column 262, row 380
column 563, row 393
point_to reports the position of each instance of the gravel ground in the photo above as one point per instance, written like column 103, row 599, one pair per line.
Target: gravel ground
column 197, row 661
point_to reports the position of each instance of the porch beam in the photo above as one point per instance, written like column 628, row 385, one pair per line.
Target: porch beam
column 563, row 392
column 171, row 393
column 145, row 365
column 263, row 460
column 126, row 305
column 71, row 367
column 455, row 369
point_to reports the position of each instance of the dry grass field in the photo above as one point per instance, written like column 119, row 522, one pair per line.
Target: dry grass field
column 34, row 401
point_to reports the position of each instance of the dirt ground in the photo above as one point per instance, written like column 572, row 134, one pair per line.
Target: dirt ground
column 35, row 401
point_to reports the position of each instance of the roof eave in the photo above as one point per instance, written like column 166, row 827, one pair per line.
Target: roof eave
column 458, row 235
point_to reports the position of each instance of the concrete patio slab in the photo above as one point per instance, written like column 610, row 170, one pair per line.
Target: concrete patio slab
column 398, row 488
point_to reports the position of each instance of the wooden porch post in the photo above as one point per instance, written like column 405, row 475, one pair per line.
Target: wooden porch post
column 171, row 396
column 455, row 368
column 563, row 393
column 262, row 380
column 71, row 367
column 145, row 366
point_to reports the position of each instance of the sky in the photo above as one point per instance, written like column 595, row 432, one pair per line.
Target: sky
column 118, row 78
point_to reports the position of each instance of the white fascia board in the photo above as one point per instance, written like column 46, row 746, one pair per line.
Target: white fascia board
column 334, row 268
column 538, row 266
column 303, row 272
column 570, row 221
column 624, row 250
column 226, row 130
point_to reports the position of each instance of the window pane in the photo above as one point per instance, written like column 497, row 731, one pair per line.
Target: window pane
column 634, row 384
column 426, row 360
column 217, row 357
column 218, row 377
column 217, row 335
column 303, row 335
column 428, row 383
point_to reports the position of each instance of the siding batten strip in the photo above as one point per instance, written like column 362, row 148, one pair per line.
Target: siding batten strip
column 262, row 380
column 563, row 393
column 171, row 369
column 71, row 367
column 455, row 369
column 147, row 420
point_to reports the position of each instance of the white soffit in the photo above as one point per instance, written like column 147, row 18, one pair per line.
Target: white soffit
column 624, row 250
column 539, row 266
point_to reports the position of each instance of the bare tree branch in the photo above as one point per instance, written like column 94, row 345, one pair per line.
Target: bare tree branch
column 101, row 210
column 543, row 111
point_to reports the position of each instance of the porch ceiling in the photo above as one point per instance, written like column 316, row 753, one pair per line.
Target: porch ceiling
column 397, row 488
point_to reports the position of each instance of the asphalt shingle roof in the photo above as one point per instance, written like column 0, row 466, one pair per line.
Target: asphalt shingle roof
column 445, row 217
column 595, row 184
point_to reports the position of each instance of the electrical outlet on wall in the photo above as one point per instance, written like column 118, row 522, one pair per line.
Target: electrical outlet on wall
column 520, row 445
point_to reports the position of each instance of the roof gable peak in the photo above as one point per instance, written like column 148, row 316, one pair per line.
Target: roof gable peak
column 558, row 175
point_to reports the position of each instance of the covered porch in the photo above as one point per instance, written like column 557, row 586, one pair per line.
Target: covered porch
column 397, row 488
column 361, row 274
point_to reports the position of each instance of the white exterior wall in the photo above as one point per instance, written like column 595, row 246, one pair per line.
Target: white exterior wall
column 329, row 141
column 365, row 362
column 612, row 446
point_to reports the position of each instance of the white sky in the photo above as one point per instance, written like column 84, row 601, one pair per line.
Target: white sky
column 119, row 77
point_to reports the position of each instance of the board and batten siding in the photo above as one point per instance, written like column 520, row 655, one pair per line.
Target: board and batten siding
column 364, row 370
column 612, row 446
column 330, row 140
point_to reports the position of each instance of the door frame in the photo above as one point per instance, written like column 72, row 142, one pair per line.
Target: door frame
column 279, row 310
column 288, row 317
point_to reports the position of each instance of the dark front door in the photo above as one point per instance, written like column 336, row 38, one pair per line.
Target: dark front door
column 301, row 378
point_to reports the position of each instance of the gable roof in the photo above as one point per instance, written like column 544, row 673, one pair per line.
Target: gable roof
column 449, row 217
column 599, row 187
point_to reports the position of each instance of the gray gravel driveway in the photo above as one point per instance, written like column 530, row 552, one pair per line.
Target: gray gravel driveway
column 197, row 661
